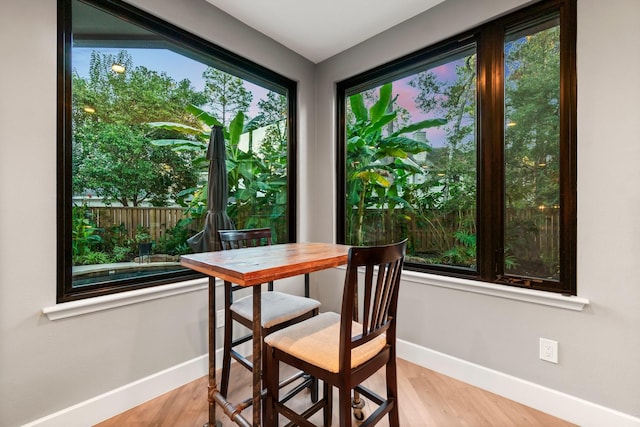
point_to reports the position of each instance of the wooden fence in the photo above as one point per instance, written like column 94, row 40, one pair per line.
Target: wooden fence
column 538, row 230
column 530, row 232
column 155, row 220
column 533, row 232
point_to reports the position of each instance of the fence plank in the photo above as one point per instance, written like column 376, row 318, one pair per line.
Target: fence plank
column 155, row 220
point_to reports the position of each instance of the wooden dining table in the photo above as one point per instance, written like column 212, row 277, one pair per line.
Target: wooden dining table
column 250, row 267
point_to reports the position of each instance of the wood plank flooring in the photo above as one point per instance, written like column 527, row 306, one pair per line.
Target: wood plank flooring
column 426, row 398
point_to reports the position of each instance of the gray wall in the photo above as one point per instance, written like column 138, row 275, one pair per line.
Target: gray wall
column 599, row 347
column 48, row 366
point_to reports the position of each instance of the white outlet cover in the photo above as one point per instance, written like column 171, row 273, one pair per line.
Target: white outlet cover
column 548, row 350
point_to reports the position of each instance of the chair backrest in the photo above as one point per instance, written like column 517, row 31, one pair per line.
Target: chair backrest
column 236, row 239
column 376, row 310
column 247, row 238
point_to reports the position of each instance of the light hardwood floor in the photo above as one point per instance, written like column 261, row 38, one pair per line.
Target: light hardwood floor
column 426, row 398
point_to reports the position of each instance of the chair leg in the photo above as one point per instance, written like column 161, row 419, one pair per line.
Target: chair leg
column 265, row 375
column 392, row 392
column 228, row 339
column 226, row 356
column 357, row 403
column 314, row 381
column 344, row 407
column 314, row 389
column 271, row 375
column 327, row 391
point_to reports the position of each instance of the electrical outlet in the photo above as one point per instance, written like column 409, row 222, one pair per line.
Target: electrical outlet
column 219, row 318
column 549, row 350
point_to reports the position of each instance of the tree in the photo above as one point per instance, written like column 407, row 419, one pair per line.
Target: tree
column 453, row 167
column 137, row 95
column 532, row 149
column 226, row 94
column 273, row 152
column 378, row 161
column 255, row 194
column 273, row 146
column 112, row 154
column 447, row 203
column 532, row 107
column 273, row 116
column 119, row 164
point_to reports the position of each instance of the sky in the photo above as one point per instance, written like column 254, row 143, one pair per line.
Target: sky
column 180, row 67
column 177, row 66
column 407, row 95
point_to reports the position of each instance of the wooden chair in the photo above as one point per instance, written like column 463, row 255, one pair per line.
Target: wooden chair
column 279, row 309
column 339, row 349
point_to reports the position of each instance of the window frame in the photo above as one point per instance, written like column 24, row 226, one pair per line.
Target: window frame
column 229, row 62
column 489, row 39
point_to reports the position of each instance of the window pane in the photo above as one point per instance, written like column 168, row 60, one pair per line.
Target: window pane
column 411, row 162
column 532, row 151
column 142, row 112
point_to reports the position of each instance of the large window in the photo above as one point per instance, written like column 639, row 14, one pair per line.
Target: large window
column 468, row 149
column 138, row 101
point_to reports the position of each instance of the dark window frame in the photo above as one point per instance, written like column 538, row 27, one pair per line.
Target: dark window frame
column 489, row 39
column 228, row 61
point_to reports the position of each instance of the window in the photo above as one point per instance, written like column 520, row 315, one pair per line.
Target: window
column 468, row 149
column 138, row 99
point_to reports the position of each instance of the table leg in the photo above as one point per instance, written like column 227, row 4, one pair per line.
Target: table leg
column 213, row 394
column 257, row 354
column 212, row 389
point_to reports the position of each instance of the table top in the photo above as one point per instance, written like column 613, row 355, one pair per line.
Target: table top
column 253, row 266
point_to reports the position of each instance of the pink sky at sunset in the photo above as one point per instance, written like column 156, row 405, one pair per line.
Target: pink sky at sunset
column 407, row 95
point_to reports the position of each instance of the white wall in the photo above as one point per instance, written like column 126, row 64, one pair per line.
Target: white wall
column 47, row 366
column 600, row 346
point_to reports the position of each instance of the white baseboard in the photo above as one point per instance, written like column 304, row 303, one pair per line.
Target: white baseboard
column 553, row 402
column 561, row 405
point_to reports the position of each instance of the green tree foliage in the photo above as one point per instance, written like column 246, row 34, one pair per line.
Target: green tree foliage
column 273, row 117
column 532, row 149
column 379, row 162
column 257, row 181
column 273, row 152
column 532, row 106
column 112, row 154
column 119, row 163
column 136, row 96
column 445, row 202
column 226, row 95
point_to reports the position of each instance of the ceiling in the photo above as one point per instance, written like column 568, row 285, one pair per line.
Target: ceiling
column 318, row 30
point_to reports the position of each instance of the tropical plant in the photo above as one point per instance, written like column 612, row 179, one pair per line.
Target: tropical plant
column 379, row 162
column 447, row 207
column 174, row 240
column 142, row 234
column 98, row 257
column 463, row 253
column 255, row 190
column 84, row 233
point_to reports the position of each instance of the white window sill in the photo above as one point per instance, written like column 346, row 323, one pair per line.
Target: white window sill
column 106, row 302
column 92, row 305
column 550, row 299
